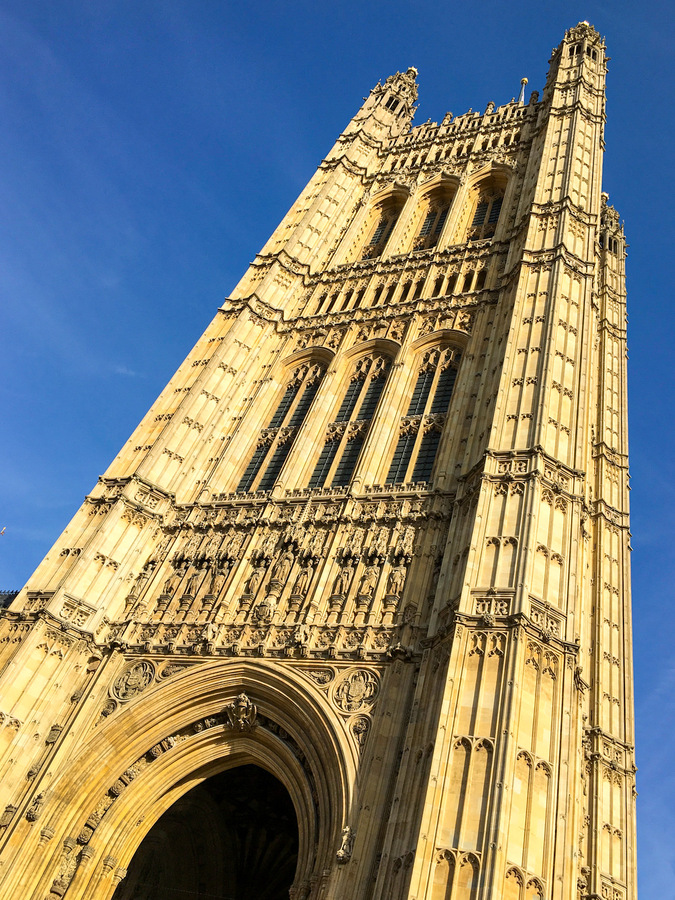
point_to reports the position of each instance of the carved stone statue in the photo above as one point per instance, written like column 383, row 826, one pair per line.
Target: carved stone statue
column 302, row 581
column 369, row 581
column 254, row 580
column 209, row 633
column 139, row 581
column 282, row 567
column 343, row 580
column 216, row 582
column 344, row 854
column 300, row 635
column 397, row 578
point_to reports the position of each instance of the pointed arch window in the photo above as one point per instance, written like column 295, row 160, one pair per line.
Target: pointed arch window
column 486, row 214
column 432, row 224
column 422, row 426
column 276, row 440
column 348, row 431
column 387, row 216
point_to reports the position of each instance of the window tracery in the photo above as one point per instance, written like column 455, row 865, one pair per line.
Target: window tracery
column 348, row 431
column 432, row 226
column 387, row 216
column 422, row 425
column 276, row 440
column 486, row 214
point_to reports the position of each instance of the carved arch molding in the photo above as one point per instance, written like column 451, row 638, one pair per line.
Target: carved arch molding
column 176, row 735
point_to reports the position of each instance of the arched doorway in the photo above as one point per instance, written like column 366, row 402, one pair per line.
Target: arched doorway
column 233, row 837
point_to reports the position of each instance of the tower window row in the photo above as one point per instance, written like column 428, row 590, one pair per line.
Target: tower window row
column 419, row 432
column 430, row 220
column 608, row 243
column 401, row 289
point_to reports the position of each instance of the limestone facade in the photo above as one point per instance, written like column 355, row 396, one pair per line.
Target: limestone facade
column 372, row 537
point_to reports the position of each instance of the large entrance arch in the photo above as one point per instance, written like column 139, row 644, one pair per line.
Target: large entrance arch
column 233, row 837
column 175, row 737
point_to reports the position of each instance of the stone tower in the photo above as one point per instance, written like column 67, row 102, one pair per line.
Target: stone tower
column 348, row 616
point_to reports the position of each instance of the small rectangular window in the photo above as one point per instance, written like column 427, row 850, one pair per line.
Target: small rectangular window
column 479, row 215
column 345, row 468
column 426, row 456
column 284, row 406
column 372, row 398
column 495, row 210
column 274, row 466
column 418, row 401
column 253, row 468
column 428, row 222
column 324, row 463
column 303, row 404
column 401, row 460
column 440, row 222
column 349, row 400
column 444, row 388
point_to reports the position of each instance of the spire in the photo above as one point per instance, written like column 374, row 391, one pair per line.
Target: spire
column 401, row 86
column 389, row 108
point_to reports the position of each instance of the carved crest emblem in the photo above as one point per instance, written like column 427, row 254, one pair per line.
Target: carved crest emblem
column 134, row 680
column 242, row 713
column 356, row 691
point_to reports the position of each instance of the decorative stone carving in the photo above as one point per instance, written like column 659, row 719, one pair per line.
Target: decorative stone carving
column 343, row 580
column 396, row 580
column 264, row 610
column 344, row 854
column 135, row 680
column 359, row 727
column 356, row 691
column 6, row 817
column 254, row 580
column 320, row 676
column 67, row 866
column 302, row 581
column 35, row 809
column 241, row 713
column 369, row 581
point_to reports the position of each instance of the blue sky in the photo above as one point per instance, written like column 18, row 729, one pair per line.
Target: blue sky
column 147, row 151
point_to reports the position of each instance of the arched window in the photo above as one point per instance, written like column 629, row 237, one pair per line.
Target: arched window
column 348, row 431
column 421, row 427
column 387, row 215
column 275, row 441
column 434, row 214
column 486, row 214
column 432, row 226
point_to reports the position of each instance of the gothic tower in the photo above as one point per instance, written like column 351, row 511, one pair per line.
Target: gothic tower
column 348, row 615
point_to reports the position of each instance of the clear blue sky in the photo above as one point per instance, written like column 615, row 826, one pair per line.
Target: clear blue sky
column 147, row 151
